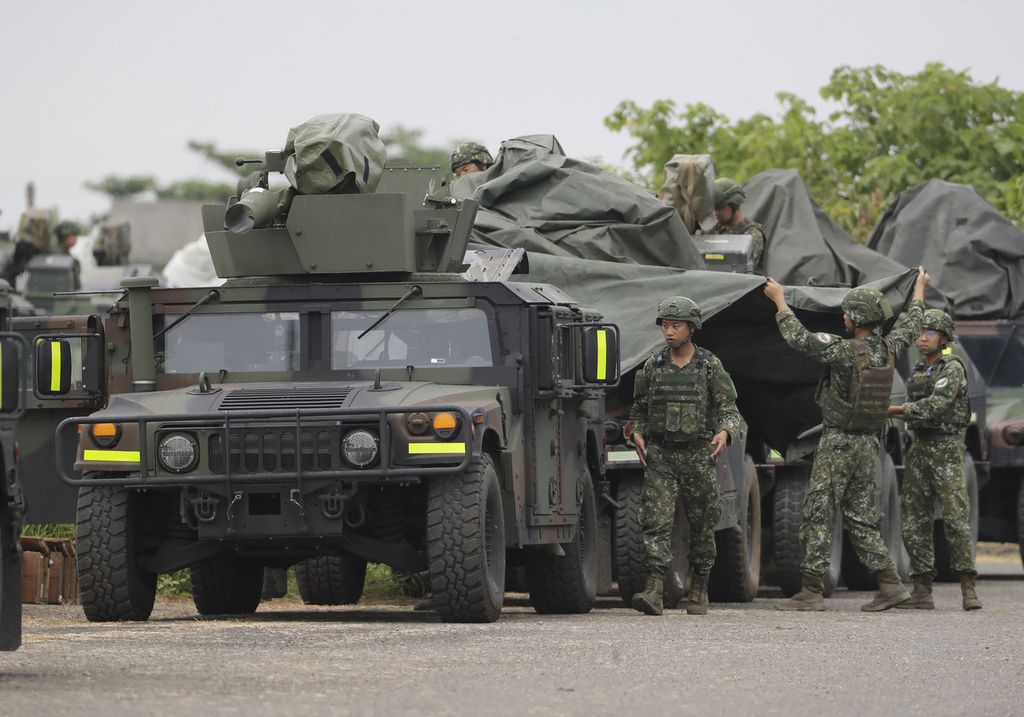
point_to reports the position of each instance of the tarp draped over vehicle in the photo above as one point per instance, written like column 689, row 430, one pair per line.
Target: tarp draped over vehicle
column 974, row 254
column 616, row 249
column 805, row 245
column 536, row 198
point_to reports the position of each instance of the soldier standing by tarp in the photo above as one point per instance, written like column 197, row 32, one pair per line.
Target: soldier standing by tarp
column 683, row 398
column 728, row 197
column 854, row 399
column 937, row 412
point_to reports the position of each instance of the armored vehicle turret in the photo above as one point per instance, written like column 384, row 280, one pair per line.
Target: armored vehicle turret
column 347, row 395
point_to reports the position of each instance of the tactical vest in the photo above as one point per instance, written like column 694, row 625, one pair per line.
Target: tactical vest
column 922, row 384
column 868, row 396
column 678, row 404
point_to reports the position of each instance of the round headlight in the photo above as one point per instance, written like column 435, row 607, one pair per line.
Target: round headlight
column 359, row 448
column 105, row 435
column 178, row 452
column 446, row 425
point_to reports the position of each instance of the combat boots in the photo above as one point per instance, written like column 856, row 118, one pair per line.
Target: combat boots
column 810, row 597
column 698, row 601
column 649, row 601
column 971, row 601
column 890, row 592
column 921, row 598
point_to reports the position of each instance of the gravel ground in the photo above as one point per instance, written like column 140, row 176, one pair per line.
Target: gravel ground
column 387, row 659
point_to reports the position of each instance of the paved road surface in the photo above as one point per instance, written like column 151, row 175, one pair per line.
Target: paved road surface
column 388, row 660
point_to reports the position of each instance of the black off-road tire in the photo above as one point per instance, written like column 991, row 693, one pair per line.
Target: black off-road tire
column 855, row 575
column 1020, row 520
column 466, row 543
column 113, row 587
column 787, row 515
column 331, row 579
column 568, row 584
column 943, row 555
column 737, row 570
column 629, row 538
column 226, row 584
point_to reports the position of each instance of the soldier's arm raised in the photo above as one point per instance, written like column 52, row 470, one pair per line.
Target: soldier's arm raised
column 822, row 347
column 908, row 325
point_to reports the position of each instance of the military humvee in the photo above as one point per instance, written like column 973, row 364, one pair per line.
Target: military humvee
column 346, row 396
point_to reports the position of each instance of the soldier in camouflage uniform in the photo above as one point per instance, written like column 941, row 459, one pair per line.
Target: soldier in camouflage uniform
column 854, row 399
column 937, row 412
column 470, row 157
column 728, row 198
column 684, row 414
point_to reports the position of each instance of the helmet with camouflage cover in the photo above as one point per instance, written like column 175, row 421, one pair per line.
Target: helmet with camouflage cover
column 65, row 229
column 727, row 191
column 938, row 320
column 679, row 308
column 866, row 306
column 469, row 152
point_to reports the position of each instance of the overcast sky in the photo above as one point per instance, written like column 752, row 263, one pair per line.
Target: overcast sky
column 100, row 87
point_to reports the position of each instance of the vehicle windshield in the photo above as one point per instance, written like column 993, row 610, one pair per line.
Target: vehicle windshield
column 411, row 337
column 232, row 342
column 997, row 350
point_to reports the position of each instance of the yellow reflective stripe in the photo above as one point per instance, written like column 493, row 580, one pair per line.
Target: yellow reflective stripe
column 437, row 448
column 602, row 354
column 112, row 456
column 717, row 257
column 55, row 366
column 948, row 351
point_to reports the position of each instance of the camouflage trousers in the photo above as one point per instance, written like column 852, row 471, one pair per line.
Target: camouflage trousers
column 685, row 472
column 935, row 471
column 844, row 481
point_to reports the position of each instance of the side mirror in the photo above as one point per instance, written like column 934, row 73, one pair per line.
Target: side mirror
column 53, row 367
column 601, row 355
column 10, row 384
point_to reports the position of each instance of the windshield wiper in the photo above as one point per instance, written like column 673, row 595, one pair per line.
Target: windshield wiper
column 213, row 294
column 413, row 291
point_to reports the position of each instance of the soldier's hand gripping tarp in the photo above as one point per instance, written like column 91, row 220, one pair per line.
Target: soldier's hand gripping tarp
column 974, row 254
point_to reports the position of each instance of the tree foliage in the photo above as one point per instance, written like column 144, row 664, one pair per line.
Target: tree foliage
column 405, row 144
column 121, row 187
column 889, row 132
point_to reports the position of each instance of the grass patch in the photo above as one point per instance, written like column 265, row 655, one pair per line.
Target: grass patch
column 49, row 530
column 174, row 585
column 381, row 582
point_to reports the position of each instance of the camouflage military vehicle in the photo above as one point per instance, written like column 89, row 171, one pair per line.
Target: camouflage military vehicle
column 11, row 499
column 346, row 396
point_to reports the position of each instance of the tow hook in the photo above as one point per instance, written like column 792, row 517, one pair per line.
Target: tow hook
column 332, row 504
column 606, row 495
column 294, row 496
column 205, row 508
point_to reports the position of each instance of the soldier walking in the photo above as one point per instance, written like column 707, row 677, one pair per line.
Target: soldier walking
column 937, row 413
column 854, row 399
column 684, row 415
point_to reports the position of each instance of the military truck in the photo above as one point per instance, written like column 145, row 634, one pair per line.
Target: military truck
column 345, row 396
column 12, row 504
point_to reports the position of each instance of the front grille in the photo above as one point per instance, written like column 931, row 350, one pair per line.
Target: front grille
column 246, row 399
column 273, row 450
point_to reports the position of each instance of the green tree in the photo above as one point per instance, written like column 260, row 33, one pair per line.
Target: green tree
column 405, row 144
column 121, row 187
column 890, row 132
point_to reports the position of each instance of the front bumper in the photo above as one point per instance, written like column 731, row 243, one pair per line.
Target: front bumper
column 268, row 447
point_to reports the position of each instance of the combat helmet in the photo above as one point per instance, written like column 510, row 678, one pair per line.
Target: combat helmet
column 866, row 306
column 468, row 152
column 679, row 308
column 727, row 191
column 65, row 229
column 938, row 320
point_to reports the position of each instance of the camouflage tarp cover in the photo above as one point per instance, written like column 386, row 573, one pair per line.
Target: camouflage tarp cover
column 805, row 246
column 536, row 198
column 335, row 149
column 616, row 249
column 974, row 254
